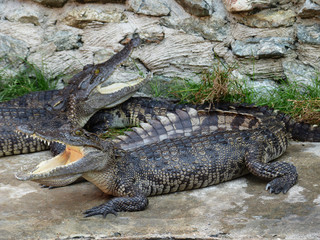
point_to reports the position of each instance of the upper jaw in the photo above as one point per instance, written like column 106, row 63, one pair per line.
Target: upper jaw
column 63, row 134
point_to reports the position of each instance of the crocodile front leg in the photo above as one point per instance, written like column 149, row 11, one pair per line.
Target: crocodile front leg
column 282, row 175
column 118, row 180
column 119, row 204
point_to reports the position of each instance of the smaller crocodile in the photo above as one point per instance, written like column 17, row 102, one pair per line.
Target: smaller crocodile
column 141, row 109
column 175, row 153
column 73, row 105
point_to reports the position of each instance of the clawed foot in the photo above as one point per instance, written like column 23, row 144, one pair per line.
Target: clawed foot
column 282, row 184
column 45, row 186
column 119, row 204
column 103, row 209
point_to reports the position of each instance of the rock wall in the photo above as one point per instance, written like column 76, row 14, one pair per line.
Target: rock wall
column 265, row 39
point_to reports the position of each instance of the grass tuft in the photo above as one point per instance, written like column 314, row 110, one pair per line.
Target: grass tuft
column 300, row 100
column 28, row 80
column 306, row 110
column 214, row 86
column 114, row 132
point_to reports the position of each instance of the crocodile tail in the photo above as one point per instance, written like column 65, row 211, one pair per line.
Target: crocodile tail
column 185, row 123
column 305, row 132
column 300, row 131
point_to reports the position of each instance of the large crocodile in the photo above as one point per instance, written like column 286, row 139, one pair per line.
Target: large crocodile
column 74, row 104
column 177, row 153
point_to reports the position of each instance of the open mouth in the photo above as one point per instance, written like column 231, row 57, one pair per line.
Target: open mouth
column 70, row 155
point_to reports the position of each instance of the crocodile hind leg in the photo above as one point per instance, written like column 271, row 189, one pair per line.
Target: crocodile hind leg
column 119, row 204
column 282, row 175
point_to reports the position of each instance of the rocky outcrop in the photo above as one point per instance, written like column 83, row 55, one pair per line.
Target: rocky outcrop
column 52, row 3
column 81, row 17
column 309, row 10
column 268, row 18
column 198, row 8
column 149, row 7
column 266, row 39
column 259, row 48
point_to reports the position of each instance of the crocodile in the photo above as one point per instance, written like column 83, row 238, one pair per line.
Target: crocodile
column 141, row 109
column 179, row 151
column 73, row 105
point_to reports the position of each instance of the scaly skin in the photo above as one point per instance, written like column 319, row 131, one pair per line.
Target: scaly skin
column 178, row 152
column 189, row 163
column 71, row 106
column 12, row 143
column 141, row 109
column 30, row 100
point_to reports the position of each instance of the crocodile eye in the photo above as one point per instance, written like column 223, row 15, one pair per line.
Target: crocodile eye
column 78, row 132
column 57, row 103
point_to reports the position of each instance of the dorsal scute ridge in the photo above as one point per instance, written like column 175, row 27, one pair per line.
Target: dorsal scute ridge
column 176, row 122
column 186, row 123
column 152, row 133
column 167, row 124
column 195, row 121
column 149, row 129
column 185, row 120
column 133, row 136
column 165, row 127
column 162, row 132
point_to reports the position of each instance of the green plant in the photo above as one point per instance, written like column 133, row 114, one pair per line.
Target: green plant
column 31, row 78
column 114, row 132
column 214, row 86
column 300, row 100
column 184, row 90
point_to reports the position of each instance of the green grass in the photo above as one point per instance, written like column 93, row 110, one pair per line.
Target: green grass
column 300, row 100
column 28, row 80
column 114, row 132
column 213, row 87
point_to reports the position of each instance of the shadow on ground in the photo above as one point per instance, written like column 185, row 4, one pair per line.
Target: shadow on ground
column 239, row 209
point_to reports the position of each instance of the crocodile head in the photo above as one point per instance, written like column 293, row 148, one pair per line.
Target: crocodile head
column 84, row 152
column 84, row 94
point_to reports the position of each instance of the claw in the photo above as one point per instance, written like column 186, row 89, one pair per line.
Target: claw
column 100, row 210
column 111, row 211
column 45, row 186
column 276, row 186
column 268, row 187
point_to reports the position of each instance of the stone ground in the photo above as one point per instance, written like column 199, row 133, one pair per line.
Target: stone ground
column 239, row 209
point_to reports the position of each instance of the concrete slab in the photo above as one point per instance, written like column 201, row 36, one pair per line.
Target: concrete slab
column 239, row 209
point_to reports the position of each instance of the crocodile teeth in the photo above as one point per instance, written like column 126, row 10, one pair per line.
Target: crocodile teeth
column 33, row 136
